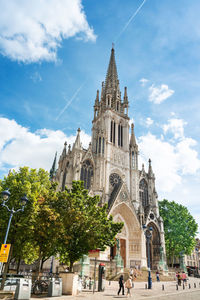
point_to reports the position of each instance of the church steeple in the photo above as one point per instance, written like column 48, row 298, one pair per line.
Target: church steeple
column 53, row 168
column 150, row 171
column 133, row 149
column 110, row 92
column 77, row 144
column 111, row 84
column 133, row 140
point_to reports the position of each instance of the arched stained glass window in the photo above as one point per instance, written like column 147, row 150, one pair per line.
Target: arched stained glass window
column 87, row 173
column 143, row 187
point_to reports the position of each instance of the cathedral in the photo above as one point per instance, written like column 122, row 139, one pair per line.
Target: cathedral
column 109, row 168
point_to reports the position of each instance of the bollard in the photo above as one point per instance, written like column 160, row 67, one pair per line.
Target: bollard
column 195, row 285
column 146, row 286
column 183, row 286
column 177, row 287
column 189, row 286
column 163, row 287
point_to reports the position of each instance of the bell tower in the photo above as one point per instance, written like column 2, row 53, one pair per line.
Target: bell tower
column 110, row 133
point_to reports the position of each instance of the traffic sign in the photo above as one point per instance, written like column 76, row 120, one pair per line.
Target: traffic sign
column 5, row 249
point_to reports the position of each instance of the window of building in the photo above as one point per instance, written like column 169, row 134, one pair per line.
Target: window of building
column 112, row 132
column 87, row 173
column 133, row 160
column 96, row 145
column 120, row 135
column 143, row 187
column 99, row 144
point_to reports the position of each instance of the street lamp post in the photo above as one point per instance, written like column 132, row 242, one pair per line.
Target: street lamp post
column 6, row 195
column 148, row 235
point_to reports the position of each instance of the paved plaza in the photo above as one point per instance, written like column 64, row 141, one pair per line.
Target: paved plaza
column 139, row 292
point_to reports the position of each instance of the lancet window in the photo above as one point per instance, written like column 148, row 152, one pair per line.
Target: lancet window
column 87, row 173
column 144, row 198
column 120, row 135
column 133, row 160
column 112, row 132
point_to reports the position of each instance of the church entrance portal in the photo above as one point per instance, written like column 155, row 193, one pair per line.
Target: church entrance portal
column 154, row 247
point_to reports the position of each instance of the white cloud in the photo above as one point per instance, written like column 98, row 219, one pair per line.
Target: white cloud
column 149, row 121
column 176, row 127
column 159, row 94
column 33, row 30
column 170, row 161
column 143, row 81
column 20, row 147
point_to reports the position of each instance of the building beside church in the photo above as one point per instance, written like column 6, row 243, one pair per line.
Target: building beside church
column 109, row 168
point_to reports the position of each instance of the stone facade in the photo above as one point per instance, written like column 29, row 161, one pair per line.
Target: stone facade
column 109, row 168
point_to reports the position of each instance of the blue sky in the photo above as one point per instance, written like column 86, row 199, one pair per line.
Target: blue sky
column 54, row 55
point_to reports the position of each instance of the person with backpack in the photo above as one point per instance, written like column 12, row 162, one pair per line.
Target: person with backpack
column 129, row 285
column 121, row 285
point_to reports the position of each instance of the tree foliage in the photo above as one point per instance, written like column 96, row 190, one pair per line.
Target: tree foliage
column 180, row 228
column 67, row 223
column 31, row 227
column 85, row 225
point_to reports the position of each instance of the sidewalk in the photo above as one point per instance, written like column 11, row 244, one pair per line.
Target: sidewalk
column 138, row 292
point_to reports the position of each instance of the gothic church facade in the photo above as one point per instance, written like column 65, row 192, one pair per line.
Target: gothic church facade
column 109, row 168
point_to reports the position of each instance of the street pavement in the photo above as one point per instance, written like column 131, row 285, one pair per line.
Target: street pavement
column 139, row 292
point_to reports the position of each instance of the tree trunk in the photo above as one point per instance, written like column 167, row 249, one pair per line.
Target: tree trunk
column 71, row 266
column 38, row 266
column 173, row 259
column 42, row 262
column 18, row 265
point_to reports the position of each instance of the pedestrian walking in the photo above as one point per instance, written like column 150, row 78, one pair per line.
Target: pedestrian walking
column 157, row 276
column 184, row 278
column 128, row 286
column 131, row 271
column 179, row 278
column 121, row 285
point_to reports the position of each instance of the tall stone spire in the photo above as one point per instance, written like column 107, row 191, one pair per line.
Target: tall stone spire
column 150, row 171
column 53, row 168
column 77, row 144
column 132, row 140
column 111, row 77
column 64, row 150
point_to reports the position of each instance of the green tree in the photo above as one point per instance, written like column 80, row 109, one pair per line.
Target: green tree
column 85, row 225
column 180, row 228
column 31, row 227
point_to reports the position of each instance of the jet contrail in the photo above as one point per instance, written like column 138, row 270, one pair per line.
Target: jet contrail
column 129, row 21
column 70, row 101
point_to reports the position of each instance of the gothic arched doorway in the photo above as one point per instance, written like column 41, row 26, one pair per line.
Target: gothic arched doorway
column 130, row 235
column 154, row 247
